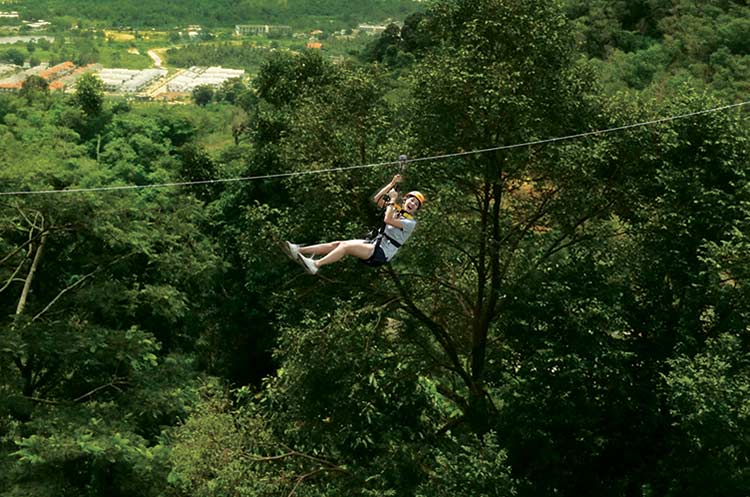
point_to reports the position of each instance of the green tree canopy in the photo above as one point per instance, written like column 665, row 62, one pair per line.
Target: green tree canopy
column 89, row 95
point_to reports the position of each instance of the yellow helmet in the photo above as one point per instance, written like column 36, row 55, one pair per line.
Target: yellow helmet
column 417, row 195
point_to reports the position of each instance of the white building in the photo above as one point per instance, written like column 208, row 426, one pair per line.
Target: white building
column 370, row 29
column 261, row 29
column 40, row 24
column 199, row 76
column 129, row 80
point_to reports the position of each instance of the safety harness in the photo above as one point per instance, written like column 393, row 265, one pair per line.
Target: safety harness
column 378, row 234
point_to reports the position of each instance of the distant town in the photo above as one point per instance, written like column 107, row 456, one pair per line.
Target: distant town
column 146, row 83
column 156, row 83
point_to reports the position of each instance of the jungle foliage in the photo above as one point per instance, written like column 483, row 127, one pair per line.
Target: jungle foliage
column 569, row 319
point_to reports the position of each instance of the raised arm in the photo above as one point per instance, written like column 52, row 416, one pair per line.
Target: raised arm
column 378, row 198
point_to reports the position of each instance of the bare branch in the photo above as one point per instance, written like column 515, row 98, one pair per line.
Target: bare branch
column 76, row 284
column 460, row 295
column 319, row 460
column 325, row 465
column 279, row 457
column 13, row 276
column 19, row 248
column 32, row 224
column 291, row 453
column 302, row 478
column 30, row 275
column 457, row 245
column 528, row 225
column 64, row 291
column 113, row 384
column 44, row 401
column 558, row 245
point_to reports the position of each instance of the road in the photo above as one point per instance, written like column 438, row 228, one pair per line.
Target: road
column 155, row 58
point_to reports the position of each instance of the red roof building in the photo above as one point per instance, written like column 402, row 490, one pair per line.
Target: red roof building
column 15, row 86
column 58, row 71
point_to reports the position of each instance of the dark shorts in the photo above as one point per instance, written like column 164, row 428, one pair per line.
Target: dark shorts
column 376, row 259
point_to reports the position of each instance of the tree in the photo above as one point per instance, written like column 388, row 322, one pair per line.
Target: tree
column 705, row 398
column 483, row 89
column 197, row 165
column 35, row 88
column 284, row 78
column 89, row 95
column 530, row 313
column 94, row 339
column 231, row 90
column 13, row 56
column 471, row 94
column 43, row 44
column 389, row 39
column 361, row 385
column 415, row 37
column 203, row 95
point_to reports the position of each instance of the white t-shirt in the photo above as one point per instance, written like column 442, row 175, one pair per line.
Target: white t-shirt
column 398, row 234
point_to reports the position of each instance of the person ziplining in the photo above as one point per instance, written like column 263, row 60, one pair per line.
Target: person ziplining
column 374, row 251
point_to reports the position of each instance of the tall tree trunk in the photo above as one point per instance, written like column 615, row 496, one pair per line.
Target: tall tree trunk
column 479, row 405
column 27, row 368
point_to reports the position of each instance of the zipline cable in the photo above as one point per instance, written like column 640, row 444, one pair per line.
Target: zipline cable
column 582, row 135
column 400, row 162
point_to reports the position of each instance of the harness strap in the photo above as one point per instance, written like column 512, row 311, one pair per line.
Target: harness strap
column 393, row 242
column 378, row 239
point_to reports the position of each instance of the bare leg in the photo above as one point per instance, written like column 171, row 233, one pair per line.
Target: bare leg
column 319, row 249
column 356, row 248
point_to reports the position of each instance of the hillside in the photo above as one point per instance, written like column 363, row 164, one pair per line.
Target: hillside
column 170, row 14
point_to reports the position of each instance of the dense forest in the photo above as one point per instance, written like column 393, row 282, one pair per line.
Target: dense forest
column 168, row 14
column 570, row 318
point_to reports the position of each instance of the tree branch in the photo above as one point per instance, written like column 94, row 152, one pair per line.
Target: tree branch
column 460, row 295
column 30, row 276
column 437, row 331
column 19, row 248
column 302, row 478
column 43, row 401
column 76, row 284
column 486, row 306
column 115, row 381
column 527, row 226
column 557, row 245
column 295, row 453
column 481, row 257
column 63, row 292
column 12, row 277
column 32, row 224
column 457, row 245
column 326, row 465
column 453, row 396
column 452, row 423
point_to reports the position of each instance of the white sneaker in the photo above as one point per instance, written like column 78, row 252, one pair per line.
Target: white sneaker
column 291, row 250
column 308, row 264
